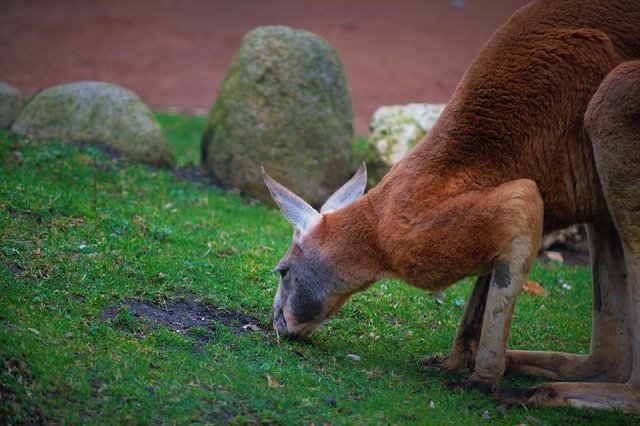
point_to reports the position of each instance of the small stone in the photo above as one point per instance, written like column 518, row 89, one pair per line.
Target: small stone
column 486, row 415
column 354, row 358
column 68, row 334
column 251, row 327
column 331, row 401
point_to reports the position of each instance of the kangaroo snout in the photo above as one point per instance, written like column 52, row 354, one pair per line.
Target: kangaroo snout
column 287, row 326
column 278, row 322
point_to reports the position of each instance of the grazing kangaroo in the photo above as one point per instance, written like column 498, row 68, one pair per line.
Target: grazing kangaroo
column 542, row 132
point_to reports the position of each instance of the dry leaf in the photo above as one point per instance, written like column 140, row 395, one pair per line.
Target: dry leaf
column 535, row 289
column 373, row 373
column 273, row 383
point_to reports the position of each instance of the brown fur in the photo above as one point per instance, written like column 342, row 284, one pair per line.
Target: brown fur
column 509, row 159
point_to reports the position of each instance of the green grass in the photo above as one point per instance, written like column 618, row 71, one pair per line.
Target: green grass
column 184, row 133
column 80, row 233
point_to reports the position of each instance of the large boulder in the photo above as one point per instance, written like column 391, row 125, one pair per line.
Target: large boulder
column 11, row 103
column 96, row 112
column 284, row 104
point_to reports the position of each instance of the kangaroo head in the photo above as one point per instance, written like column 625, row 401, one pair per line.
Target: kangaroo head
column 313, row 284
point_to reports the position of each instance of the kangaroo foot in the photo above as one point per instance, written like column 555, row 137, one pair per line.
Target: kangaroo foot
column 487, row 387
column 565, row 366
column 618, row 396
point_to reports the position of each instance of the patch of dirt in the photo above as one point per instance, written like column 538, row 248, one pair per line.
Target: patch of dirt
column 186, row 315
column 29, row 215
column 192, row 174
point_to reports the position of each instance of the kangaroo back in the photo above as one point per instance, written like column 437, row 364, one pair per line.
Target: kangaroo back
column 518, row 112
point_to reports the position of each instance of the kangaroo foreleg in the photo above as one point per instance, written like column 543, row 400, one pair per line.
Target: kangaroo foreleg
column 516, row 231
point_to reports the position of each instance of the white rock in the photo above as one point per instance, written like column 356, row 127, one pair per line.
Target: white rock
column 398, row 128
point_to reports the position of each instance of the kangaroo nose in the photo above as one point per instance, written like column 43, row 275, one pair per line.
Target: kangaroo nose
column 278, row 322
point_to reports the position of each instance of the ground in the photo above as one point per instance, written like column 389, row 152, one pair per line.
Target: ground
column 174, row 54
column 134, row 295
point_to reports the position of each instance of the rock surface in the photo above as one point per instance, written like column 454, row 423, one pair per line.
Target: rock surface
column 284, row 104
column 394, row 131
column 11, row 103
column 96, row 112
column 398, row 128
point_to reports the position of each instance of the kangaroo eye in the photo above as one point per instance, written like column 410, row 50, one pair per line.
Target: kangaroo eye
column 283, row 272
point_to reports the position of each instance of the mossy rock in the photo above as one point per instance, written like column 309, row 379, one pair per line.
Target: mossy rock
column 284, row 104
column 11, row 103
column 97, row 112
column 396, row 129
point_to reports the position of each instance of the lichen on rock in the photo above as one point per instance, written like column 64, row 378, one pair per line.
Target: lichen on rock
column 97, row 112
column 11, row 103
column 284, row 104
column 397, row 129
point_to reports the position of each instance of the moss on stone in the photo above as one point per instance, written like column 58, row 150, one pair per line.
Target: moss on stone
column 11, row 103
column 284, row 104
column 97, row 112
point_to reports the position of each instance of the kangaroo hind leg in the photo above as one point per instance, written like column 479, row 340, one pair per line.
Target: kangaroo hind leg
column 609, row 358
column 613, row 123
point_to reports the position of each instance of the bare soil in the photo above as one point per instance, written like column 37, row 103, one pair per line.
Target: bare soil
column 188, row 315
column 174, row 53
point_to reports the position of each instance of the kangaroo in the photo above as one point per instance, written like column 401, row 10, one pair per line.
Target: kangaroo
column 542, row 132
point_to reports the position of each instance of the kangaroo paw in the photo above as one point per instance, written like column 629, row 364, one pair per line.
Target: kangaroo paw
column 618, row 396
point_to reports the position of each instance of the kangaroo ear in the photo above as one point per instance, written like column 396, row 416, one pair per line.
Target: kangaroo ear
column 294, row 208
column 348, row 193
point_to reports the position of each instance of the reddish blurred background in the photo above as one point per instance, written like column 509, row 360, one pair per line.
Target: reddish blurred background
column 174, row 53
